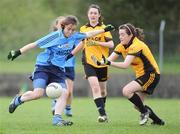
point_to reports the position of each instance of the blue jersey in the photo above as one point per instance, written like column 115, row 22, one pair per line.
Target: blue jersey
column 57, row 47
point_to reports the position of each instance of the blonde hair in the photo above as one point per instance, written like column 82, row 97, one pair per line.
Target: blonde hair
column 59, row 19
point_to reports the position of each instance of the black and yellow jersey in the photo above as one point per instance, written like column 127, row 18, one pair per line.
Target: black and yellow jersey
column 95, row 50
column 144, row 60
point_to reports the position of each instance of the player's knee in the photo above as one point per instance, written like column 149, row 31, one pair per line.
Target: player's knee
column 125, row 92
column 70, row 90
column 65, row 93
column 103, row 93
column 69, row 93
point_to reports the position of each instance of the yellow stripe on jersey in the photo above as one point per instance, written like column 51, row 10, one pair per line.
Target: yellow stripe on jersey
column 95, row 50
column 150, row 81
column 144, row 60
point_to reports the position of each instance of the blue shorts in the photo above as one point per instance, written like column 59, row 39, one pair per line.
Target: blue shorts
column 70, row 73
column 43, row 75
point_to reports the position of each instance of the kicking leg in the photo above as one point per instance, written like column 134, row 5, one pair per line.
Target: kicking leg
column 27, row 96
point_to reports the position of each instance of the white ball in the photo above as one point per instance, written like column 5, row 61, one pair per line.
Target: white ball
column 54, row 90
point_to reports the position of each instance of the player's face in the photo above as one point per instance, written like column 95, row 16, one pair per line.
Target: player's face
column 69, row 30
column 124, row 37
column 93, row 15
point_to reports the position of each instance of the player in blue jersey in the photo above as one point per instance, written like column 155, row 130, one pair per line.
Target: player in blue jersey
column 50, row 64
column 69, row 72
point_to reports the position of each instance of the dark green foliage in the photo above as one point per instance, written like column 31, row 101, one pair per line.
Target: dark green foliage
column 24, row 21
column 144, row 13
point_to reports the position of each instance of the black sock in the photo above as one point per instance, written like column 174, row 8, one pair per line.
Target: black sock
column 104, row 100
column 152, row 115
column 135, row 99
column 100, row 105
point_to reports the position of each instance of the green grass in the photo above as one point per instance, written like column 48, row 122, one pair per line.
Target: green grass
column 35, row 118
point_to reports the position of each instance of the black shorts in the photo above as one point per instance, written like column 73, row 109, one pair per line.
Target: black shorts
column 100, row 73
column 148, row 82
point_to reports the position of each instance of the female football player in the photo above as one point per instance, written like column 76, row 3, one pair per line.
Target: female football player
column 50, row 64
column 137, row 54
column 98, row 45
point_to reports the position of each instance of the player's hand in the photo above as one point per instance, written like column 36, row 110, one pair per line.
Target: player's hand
column 92, row 43
column 69, row 56
column 104, row 61
column 13, row 54
column 109, row 28
column 94, row 59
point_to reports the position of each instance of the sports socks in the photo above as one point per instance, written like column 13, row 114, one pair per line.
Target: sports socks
column 18, row 101
column 104, row 100
column 68, row 108
column 100, row 105
column 152, row 115
column 68, row 111
column 56, row 119
column 135, row 99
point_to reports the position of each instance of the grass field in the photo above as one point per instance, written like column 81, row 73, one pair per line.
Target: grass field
column 35, row 118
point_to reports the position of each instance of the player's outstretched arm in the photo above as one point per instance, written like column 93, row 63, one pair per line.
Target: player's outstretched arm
column 105, row 61
column 96, row 32
column 15, row 53
column 125, row 64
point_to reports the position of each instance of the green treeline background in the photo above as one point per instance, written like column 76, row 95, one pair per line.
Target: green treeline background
column 24, row 21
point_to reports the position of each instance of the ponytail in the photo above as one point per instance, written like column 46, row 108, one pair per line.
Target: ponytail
column 54, row 24
column 140, row 33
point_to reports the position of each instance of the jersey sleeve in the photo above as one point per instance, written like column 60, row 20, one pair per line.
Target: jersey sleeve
column 108, row 35
column 134, row 50
column 48, row 40
column 79, row 37
column 118, row 49
column 81, row 29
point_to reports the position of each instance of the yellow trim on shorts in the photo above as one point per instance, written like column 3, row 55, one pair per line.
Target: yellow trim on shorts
column 150, row 81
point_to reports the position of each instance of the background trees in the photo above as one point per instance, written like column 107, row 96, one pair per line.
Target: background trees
column 22, row 21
